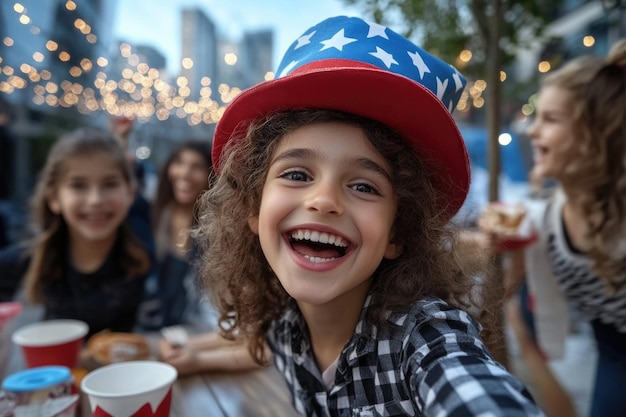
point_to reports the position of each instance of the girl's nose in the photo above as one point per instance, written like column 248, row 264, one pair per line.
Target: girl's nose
column 95, row 195
column 185, row 171
column 326, row 198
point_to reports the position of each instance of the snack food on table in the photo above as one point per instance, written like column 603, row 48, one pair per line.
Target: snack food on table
column 53, row 407
column 503, row 219
column 108, row 347
column 78, row 374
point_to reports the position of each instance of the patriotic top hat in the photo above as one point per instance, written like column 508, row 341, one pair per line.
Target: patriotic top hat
column 348, row 64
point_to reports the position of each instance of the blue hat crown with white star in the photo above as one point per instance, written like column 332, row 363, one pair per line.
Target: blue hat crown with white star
column 350, row 65
column 351, row 38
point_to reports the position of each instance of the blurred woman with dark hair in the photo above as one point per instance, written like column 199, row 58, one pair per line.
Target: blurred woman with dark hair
column 172, row 294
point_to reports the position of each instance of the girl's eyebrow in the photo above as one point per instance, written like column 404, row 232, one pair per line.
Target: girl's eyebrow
column 556, row 112
column 363, row 163
column 295, row 153
column 368, row 164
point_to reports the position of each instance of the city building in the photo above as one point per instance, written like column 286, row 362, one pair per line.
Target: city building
column 256, row 55
column 199, row 50
column 229, row 69
column 151, row 56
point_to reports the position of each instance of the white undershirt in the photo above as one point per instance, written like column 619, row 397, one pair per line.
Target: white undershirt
column 328, row 376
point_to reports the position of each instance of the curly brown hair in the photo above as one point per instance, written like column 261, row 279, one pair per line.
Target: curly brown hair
column 233, row 267
column 597, row 89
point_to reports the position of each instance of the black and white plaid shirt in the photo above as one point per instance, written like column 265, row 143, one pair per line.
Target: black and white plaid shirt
column 429, row 361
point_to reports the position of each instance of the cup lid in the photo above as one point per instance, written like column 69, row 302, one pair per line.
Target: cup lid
column 49, row 332
column 36, row 378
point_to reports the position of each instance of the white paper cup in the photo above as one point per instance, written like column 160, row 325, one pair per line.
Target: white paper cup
column 51, row 342
column 135, row 388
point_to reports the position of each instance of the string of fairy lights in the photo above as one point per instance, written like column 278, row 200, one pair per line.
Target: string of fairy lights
column 139, row 91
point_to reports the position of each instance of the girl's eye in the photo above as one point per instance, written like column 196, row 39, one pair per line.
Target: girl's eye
column 77, row 185
column 112, row 184
column 295, row 176
column 365, row 188
column 549, row 118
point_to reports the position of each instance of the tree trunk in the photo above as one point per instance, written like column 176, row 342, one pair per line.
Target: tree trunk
column 498, row 350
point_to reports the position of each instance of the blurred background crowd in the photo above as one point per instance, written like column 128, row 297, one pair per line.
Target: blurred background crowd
column 71, row 63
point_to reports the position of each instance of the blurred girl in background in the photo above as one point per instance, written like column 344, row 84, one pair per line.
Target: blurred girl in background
column 84, row 262
column 579, row 140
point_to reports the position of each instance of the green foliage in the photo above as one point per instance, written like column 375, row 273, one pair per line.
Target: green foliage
column 446, row 27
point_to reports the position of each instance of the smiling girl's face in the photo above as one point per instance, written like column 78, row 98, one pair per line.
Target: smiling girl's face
column 327, row 212
column 93, row 196
column 189, row 175
column 553, row 133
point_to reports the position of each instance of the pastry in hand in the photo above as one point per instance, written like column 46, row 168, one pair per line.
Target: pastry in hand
column 108, row 347
column 503, row 219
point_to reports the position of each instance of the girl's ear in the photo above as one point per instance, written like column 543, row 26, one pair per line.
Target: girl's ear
column 253, row 224
column 393, row 251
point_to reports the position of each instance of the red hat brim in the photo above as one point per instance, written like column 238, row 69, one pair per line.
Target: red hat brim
column 392, row 99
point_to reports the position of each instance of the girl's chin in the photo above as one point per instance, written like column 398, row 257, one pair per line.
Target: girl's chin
column 545, row 175
column 303, row 294
column 185, row 199
column 540, row 170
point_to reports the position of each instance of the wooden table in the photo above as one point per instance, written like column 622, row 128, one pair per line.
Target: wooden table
column 260, row 393
column 248, row 394
column 256, row 393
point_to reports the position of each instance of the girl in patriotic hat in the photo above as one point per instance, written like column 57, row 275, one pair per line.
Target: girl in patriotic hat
column 326, row 235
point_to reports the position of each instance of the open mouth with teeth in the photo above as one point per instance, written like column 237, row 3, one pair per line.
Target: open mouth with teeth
column 318, row 247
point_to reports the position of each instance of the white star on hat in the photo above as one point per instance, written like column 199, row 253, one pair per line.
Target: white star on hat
column 304, row 40
column 384, row 56
column 338, row 41
column 287, row 69
column 442, row 85
column 376, row 30
column 458, row 83
column 419, row 63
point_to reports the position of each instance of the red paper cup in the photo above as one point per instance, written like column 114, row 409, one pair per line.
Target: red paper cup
column 511, row 243
column 51, row 342
column 130, row 389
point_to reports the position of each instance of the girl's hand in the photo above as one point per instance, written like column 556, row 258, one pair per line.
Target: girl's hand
column 184, row 358
column 209, row 352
